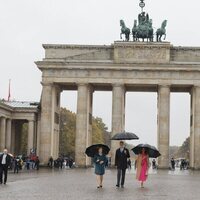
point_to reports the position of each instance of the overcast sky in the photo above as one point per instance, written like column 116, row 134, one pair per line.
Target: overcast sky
column 26, row 24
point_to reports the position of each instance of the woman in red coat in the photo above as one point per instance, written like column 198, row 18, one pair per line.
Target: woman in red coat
column 142, row 167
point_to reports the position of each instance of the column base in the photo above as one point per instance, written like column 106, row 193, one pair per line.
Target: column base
column 195, row 168
column 112, row 167
column 84, row 166
column 164, row 168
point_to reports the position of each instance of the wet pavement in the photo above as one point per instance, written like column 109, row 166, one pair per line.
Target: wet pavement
column 80, row 184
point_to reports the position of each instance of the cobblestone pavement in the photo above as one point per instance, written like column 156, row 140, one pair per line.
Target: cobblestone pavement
column 80, row 184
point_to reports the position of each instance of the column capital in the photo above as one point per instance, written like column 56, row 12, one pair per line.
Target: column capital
column 82, row 84
column 88, row 85
column 57, row 87
column 164, row 86
column 118, row 85
column 46, row 83
column 196, row 86
column 31, row 120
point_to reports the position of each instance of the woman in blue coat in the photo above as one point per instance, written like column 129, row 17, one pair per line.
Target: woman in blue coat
column 100, row 162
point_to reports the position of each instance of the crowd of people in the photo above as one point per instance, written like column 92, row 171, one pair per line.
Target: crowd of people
column 31, row 162
column 16, row 163
column 100, row 160
column 182, row 163
column 24, row 162
column 61, row 162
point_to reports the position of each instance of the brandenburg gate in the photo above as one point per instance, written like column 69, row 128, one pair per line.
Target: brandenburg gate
column 120, row 67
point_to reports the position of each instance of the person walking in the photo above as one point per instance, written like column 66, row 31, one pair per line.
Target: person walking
column 100, row 161
column 121, row 157
column 142, row 167
column 70, row 163
column 16, row 164
column 173, row 164
column 129, row 164
column 5, row 160
column 61, row 162
column 50, row 162
column 37, row 163
column 154, row 164
column 27, row 163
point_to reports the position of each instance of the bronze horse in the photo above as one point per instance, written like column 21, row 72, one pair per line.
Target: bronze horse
column 124, row 30
column 161, row 31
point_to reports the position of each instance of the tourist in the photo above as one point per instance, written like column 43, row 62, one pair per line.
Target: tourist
column 173, row 164
column 154, row 164
column 67, row 163
column 50, row 163
column 129, row 164
column 37, row 163
column 183, row 164
column 5, row 161
column 27, row 163
column 61, row 162
column 16, row 162
column 100, row 161
column 142, row 167
column 70, row 163
column 121, row 157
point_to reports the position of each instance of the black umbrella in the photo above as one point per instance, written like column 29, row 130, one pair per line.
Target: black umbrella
column 93, row 149
column 125, row 136
column 151, row 150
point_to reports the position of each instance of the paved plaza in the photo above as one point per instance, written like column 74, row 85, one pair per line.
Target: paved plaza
column 81, row 184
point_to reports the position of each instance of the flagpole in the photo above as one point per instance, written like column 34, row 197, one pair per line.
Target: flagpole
column 9, row 90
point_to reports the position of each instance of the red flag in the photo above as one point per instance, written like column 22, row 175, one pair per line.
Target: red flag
column 9, row 91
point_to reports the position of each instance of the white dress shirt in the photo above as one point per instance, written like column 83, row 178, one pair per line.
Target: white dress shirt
column 121, row 149
column 4, row 159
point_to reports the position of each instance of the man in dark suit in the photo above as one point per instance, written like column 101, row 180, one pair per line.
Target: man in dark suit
column 5, row 160
column 121, row 157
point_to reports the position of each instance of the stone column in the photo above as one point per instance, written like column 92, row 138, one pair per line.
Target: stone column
column 13, row 137
column 18, row 132
column 83, row 123
column 89, row 133
column 195, row 128
column 46, row 124
column 31, row 130
column 18, row 135
column 56, row 120
column 38, row 134
column 118, row 116
column 8, row 134
column 3, row 134
column 163, row 125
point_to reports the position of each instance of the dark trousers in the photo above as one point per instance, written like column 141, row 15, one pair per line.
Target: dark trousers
column 16, row 169
column 3, row 170
column 37, row 166
column 121, row 176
